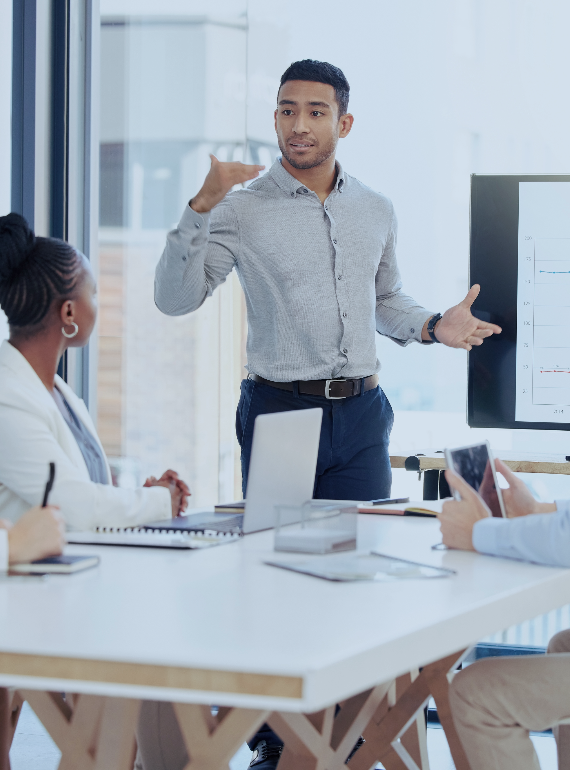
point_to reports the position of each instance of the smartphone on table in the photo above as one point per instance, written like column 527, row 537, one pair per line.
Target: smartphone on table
column 476, row 466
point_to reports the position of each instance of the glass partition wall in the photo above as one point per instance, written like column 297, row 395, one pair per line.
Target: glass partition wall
column 173, row 90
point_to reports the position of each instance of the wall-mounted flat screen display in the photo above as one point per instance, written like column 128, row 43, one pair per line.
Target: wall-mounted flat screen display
column 520, row 254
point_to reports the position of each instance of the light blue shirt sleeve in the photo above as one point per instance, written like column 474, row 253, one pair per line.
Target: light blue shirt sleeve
column 543, row 538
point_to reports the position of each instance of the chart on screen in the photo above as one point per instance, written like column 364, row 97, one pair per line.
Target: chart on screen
column 543, row 303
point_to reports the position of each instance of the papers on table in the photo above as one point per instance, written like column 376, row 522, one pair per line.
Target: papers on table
column 423, row 508
column 365, row 566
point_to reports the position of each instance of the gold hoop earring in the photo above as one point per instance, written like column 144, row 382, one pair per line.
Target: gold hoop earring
column 73, row 333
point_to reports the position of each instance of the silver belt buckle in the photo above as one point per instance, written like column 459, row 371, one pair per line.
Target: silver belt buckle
column 328, row 390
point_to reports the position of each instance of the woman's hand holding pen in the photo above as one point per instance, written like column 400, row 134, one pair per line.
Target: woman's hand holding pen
column 39, row 533
column 179, row 490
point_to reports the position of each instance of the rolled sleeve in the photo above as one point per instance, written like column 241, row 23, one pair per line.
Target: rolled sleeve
column 3, row 550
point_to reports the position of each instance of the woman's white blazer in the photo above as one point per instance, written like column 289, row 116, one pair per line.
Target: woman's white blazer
column 33, row 433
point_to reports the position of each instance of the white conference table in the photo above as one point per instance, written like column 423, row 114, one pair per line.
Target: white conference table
column 220, row 627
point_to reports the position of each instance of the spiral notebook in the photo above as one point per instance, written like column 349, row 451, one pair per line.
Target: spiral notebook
column 141, row 537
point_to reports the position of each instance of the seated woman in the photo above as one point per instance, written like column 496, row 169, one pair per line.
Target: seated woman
column 48, row 293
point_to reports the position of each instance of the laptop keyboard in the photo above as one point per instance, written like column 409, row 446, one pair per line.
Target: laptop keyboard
column 197, row 523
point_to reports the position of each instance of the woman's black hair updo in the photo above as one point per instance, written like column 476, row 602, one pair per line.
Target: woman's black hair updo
column 34, row 271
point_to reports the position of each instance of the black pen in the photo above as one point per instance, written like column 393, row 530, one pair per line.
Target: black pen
column 49, row 484
column 390, row 501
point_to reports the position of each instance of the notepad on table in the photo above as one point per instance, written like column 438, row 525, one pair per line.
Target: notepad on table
column 420, row 508
column 62, row 565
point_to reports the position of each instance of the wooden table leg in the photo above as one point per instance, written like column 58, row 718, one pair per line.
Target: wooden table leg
column 211, row 741
column 323, row 741
column 92, row 732
column 5, row 742
column 10, row 709
column 439, row 687
column 385, row 733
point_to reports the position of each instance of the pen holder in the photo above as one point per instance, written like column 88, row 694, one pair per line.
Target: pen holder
column 317, row 526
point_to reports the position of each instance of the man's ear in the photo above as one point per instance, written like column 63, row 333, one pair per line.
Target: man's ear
column 275, row 120
column 344, row 125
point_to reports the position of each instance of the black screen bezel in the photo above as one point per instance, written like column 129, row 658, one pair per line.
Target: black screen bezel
column 493, row 263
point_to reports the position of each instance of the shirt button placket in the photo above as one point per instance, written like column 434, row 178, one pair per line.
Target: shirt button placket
column 342, row 291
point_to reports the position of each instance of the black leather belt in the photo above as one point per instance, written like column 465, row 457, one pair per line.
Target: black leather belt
column 331, row 389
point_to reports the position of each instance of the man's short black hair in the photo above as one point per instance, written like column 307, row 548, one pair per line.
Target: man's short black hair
column 320, row 72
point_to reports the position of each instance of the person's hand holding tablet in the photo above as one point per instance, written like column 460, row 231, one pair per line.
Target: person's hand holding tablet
column 458, row 517
column 518, row 498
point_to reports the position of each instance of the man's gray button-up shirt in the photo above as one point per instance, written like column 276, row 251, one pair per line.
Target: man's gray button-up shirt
column 319, row 281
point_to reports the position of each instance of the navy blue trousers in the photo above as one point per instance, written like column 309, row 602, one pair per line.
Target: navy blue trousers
column 353, row 461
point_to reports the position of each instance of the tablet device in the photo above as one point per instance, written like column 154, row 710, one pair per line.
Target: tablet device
column 476, row 466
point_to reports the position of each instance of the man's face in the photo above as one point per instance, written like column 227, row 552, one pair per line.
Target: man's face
column 307, row 123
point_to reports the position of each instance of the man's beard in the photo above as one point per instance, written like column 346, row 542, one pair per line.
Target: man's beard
column 320, row 157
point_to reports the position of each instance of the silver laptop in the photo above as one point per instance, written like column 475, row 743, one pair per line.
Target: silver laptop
column 281, row 471
column 282, row 465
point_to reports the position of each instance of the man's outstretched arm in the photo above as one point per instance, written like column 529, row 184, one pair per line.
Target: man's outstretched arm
column 401, row 318
column 202, row 250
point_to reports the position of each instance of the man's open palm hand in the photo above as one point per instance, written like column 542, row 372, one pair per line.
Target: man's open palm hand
column 220, row 180
column 459, row 328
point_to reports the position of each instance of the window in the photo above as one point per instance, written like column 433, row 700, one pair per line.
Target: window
column 5, row 121
column 173, row 90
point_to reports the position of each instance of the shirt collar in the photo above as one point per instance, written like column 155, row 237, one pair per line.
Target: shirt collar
column 286, row 182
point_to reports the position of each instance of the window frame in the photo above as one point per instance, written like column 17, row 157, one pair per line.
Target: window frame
column 55, row 114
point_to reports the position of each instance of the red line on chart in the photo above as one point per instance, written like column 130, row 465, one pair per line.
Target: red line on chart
column 555, row 371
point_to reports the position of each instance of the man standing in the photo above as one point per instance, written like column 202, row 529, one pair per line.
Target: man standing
column 315, row 252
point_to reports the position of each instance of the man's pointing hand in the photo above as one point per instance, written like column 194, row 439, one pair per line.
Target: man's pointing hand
column 459, row 328
column 220, row 180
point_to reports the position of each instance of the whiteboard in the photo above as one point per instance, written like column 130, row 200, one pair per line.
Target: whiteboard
column 543, row 303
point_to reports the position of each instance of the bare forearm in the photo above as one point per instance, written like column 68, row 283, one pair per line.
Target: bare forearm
column 201, row 205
